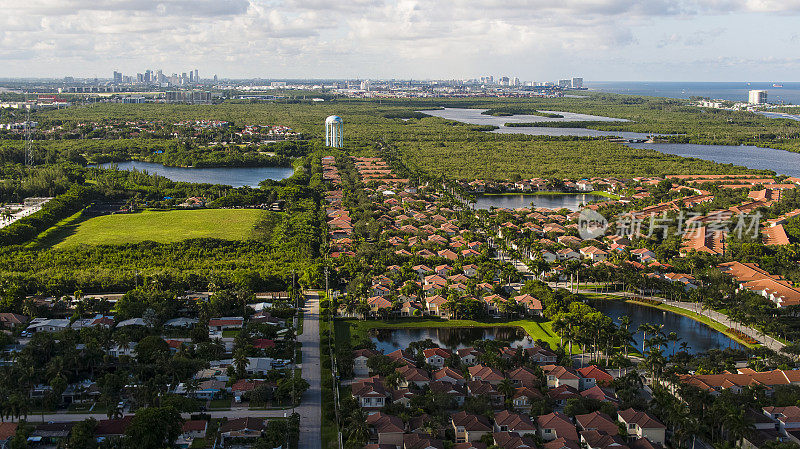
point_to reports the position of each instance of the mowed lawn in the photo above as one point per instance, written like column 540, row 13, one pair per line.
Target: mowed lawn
column 164, row 227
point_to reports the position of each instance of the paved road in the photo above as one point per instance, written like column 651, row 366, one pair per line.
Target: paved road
column 310, row 408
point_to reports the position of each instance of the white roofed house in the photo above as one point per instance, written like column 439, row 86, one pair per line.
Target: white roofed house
column 48, row 325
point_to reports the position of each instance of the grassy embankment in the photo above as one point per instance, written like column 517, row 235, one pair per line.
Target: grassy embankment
column 354, row 330
column 157, row 226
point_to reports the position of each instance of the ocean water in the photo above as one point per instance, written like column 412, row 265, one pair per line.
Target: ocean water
column 736, row 91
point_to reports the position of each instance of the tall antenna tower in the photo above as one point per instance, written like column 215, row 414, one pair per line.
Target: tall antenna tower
column 28, row 142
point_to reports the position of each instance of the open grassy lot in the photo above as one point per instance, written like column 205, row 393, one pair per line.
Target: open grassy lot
column 163, row 227
column 355, row 330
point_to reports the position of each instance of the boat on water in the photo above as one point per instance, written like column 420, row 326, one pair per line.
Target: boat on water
column 777, row 85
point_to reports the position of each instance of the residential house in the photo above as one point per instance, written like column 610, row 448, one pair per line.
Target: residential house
column 557, row 375
column 360, row 358
column 241, row 428
column 469, row 427
column 505, row 421
column 642, row 425
column 370, row 393
column 598, row 421
column 556, row 425
column 386, row 429
column 436, row 356
column 486, row 374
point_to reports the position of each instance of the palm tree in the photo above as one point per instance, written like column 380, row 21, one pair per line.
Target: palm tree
column 673, row 337
column 506, row 387
column 737, row 424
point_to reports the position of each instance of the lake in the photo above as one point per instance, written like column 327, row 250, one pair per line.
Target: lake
column 571, row 201
column 779, row 161
column 700, row 337
column 230, row 176
column 388, row 340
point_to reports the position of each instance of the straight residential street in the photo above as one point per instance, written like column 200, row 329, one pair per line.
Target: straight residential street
column 311, row 407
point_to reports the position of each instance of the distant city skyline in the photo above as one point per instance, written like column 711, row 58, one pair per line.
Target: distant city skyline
column 537, row 40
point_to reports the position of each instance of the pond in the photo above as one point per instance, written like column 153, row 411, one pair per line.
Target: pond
column 389, row 340
column 698, row 336
column 571, row 201
column 230, row 176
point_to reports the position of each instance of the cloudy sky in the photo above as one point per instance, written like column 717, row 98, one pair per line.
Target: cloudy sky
column 671, row 40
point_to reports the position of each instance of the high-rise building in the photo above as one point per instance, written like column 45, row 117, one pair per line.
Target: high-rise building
column 148, row 76
column 577, row 83
column 504, row 81
column 196, row 76
column 140, row 77
column 757, row 97
column 515, row 81
column 117, row 77
column 564, row 83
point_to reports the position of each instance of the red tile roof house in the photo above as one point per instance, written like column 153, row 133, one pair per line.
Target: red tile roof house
column 531, row 305
column 112, row 427
column 506, row 421
column 643, row 425
column 370, row 393
column 448, row 374
column 486, row 374
column 512, row 440
column 194, row 428
column 541, row 355
column 524, row 377
column 593, row 375
column 7, row 431
column 562, row 443
column 250, row 428
column 524, row 397
column 10, row 320
column 225, row 323
column 592, row 439
column 598, row 421
column 469, row 427
column 477, row 388
column 360, row 357
column 468, row 356
column 421, row 441
column 600, row 394
column 788, row 418
column 413, row 375
column 562, row 394
column 556, row 425
column 436, row 356
column 386, row 429
column 557, row 375
column 456, row 392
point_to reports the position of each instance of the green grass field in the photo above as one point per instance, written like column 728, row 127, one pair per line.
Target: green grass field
column 163, row 227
